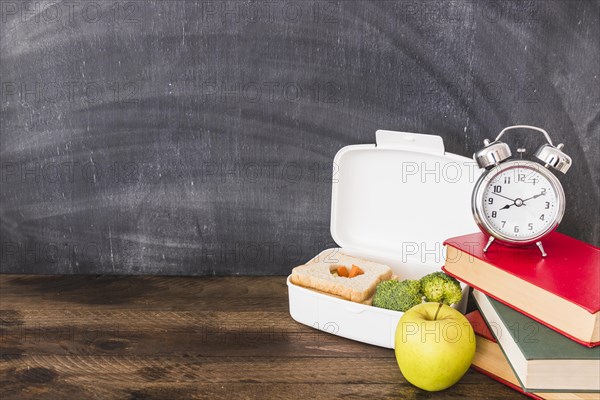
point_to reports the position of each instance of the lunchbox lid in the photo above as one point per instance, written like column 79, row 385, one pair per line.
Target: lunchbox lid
column 401, row 198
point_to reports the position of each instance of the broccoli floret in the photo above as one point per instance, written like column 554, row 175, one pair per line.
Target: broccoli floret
column 398, row 296
column 441, row 288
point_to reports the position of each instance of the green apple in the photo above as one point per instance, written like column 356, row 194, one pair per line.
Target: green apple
column 434, row 346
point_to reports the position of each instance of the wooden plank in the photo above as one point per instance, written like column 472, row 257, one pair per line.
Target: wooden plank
column 154, row 378
column 260, row 391
column 127, row 369
column 142, row 292
column 245, row 286
column 148, row 293
column 164, row 337
column 251, row 333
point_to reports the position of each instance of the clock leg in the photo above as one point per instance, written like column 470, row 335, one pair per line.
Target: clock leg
column 539, row 244
column 489, row 243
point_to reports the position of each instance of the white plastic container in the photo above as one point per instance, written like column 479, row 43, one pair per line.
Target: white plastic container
column 394, row 202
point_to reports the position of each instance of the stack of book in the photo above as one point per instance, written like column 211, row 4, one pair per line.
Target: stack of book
column 540, row 331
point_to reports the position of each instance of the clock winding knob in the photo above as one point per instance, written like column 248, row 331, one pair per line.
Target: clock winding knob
column 492, row 154
column 554, row 157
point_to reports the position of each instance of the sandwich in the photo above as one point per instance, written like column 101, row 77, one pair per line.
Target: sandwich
column 341, row 275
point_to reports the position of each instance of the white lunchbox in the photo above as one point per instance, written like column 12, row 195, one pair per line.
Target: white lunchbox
column 395, row 203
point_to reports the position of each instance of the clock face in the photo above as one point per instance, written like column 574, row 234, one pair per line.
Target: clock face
column 520, row 202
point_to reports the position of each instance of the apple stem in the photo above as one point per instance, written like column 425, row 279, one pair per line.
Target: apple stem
column 437, row 312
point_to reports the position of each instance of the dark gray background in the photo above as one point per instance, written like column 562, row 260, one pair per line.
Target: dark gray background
column 169, row 137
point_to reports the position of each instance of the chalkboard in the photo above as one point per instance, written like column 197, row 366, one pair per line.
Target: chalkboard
column 197, row 137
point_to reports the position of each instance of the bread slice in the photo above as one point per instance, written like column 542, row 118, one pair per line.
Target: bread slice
column 317, row 274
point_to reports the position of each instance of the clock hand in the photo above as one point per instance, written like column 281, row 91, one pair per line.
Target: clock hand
column 507, row 198
column 507, row 206
column 533, row 197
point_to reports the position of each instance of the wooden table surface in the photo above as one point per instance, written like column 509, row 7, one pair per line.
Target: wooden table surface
column 98, row 337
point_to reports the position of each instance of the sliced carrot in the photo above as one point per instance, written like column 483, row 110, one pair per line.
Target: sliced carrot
column 342, row 271
column 355, row 271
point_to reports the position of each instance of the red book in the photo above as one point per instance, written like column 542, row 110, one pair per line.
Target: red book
column 491, row 361
column 561, row 290
column 479, row 326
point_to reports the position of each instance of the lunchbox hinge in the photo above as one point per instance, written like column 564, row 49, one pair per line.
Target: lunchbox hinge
column 410, row 141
